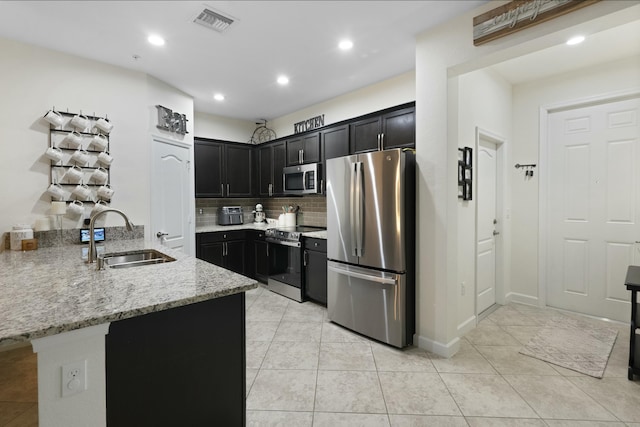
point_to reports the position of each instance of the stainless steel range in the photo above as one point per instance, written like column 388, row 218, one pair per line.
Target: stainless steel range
column 286, row 272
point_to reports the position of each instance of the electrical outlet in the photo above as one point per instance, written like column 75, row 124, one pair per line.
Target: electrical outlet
column 74, row 378
column 463, row 288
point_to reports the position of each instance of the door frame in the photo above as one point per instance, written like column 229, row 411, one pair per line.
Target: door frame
column 191, row 230
column 543, row 174
column 502, row 214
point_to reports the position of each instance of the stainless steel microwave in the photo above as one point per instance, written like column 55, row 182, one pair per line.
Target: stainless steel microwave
column 302, row 179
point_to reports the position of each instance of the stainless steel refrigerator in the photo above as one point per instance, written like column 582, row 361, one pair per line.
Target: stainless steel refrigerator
column 371, row 244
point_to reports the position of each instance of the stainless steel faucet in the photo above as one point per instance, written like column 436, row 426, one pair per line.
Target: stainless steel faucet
column 92, row 242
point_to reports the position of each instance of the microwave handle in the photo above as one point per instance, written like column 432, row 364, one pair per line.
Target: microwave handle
column 304, row 181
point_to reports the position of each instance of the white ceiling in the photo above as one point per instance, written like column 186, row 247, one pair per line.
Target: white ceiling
column 296, row 38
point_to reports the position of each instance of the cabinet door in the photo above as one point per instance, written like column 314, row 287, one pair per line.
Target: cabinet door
column 311, row 148
column 235, row 256
column 279, row 162
column 212, row 252
column 208, row 168
column 399, row 129
column 316, row 276
column 364, row 135
column 335, row 142
column 294, row 146
column 265, row 170
column 261, row 260
column 238, row 168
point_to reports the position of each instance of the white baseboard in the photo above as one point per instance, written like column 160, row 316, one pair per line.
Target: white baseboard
column 522, row 299
column 438, row 348
column 467, row 326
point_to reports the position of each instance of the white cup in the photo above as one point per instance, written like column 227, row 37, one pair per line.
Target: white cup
column 100, row 142
column 99, row 207
column 81, row 157
column 104, row 125
column 73, row 139
column 100, row 175
column 56, row 191
column 105, row 158
column 54, row 118
column 80, row 121
column 105, row 192
column 74, row 174
column 82, row 191
column 76, row 207
column 54, row 153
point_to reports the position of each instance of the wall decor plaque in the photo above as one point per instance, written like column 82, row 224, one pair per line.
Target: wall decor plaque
column 520, row 14
column 171, row 121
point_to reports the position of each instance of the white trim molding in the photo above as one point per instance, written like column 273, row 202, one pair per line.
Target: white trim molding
column 438, row 348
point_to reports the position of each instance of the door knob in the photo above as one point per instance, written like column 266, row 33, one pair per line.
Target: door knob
column 495, row 233
column 160, row 234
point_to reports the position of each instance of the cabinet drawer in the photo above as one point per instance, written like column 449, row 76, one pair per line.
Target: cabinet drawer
column 221, row 236
column 319, row 245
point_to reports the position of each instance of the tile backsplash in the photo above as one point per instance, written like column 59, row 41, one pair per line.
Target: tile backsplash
column 313, row 209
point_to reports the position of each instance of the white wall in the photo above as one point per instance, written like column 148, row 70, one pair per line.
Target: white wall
column 527, row 100
column 443, row 54
column 395, row 91
column 484, row 99
column 216, row 127
column 33, row 80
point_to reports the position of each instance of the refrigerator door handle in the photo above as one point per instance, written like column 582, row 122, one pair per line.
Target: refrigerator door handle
column 352, row 209
column 360, row 201
column 367, row 277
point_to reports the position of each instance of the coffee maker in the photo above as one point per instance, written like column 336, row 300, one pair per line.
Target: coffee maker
column 258, row 214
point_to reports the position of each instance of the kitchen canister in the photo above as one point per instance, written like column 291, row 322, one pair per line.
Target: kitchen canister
column 19, row 233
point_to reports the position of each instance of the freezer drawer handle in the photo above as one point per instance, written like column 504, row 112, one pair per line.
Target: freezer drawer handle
column 357, row 275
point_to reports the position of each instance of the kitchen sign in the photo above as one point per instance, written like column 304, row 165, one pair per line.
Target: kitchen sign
column 309, row 124
column 520, row 14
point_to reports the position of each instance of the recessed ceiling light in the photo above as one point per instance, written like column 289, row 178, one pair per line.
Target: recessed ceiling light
column 345, row 44
column 283, row 80
column 155, row 40
column 218, row 97
column 575, row 40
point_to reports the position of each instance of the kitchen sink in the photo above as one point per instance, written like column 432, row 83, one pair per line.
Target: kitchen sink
column 134, row 258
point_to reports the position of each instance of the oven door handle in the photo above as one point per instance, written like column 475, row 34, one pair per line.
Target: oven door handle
column 284, row 243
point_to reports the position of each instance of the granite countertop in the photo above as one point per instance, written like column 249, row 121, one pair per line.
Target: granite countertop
column 321, row 234
column 53, row 290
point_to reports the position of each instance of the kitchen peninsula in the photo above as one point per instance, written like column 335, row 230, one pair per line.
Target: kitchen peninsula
column 160, row 344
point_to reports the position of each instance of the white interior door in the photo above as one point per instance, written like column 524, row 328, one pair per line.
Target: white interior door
column 487, row 164
column 593, row 208
column 170, row 195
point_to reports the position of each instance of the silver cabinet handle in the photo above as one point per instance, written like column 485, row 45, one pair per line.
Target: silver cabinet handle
column 382, row 141
column 222, row 189
column 227, row 190
column 267, row 250
column 304, row 258
column 301, row 156
column 378, row 142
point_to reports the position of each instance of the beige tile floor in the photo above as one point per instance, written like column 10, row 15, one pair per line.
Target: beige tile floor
column 303, row 370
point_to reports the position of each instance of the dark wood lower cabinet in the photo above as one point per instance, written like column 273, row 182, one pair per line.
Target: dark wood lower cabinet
column 315, row 270
column 179, row 367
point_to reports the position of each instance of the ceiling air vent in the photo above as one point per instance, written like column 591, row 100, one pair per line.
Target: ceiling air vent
column 213, row 20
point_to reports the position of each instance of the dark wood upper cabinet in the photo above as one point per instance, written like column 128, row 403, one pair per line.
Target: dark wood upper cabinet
column 208, row 168
column 239, row 167
column 303, row 149
column 271, row 160
column 395, row 129
column 399, row 129
column 335, row 142
column 223, row 169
